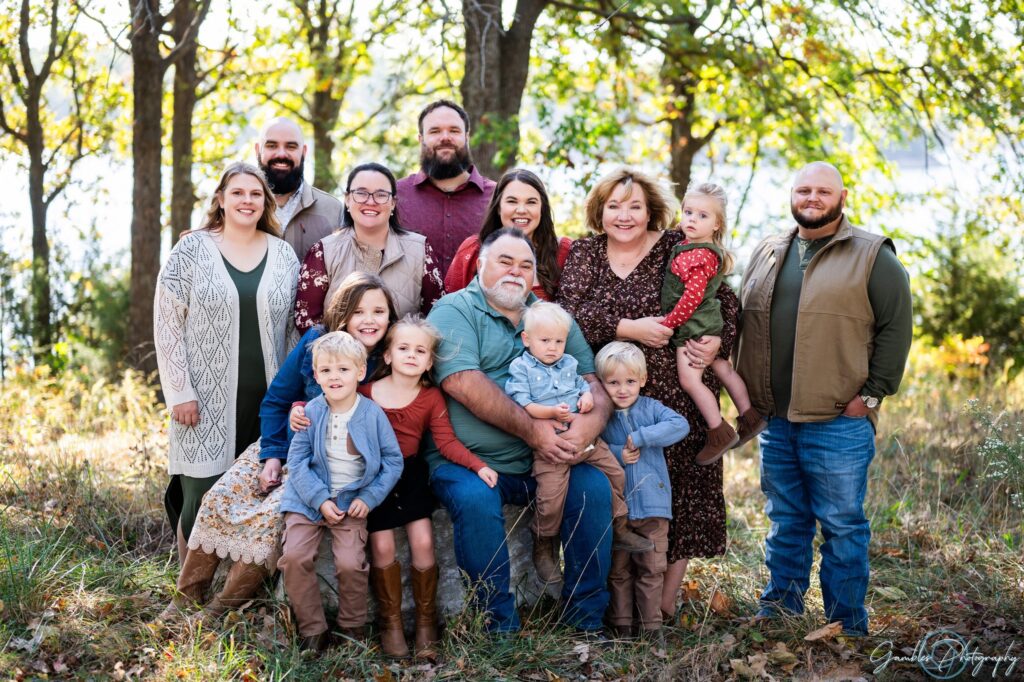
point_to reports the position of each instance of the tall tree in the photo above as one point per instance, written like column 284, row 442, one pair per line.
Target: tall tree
column 48, row 111
column 149, row 64
column 798, row 79
column 332, row 43
column 496, row 71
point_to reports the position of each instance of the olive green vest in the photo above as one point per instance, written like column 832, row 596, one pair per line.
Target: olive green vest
column 835, row 324
column 707, row 318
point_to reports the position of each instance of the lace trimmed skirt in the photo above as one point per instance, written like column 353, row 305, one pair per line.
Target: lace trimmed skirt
column 237, row 520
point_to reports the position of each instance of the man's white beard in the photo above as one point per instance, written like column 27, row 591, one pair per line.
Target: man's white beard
column 507, row 299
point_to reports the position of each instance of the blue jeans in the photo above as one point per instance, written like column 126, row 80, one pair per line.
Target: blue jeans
column 818, row 472
column 481, row 550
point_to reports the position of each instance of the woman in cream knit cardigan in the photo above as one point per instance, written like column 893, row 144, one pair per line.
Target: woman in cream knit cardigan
column 222, row 319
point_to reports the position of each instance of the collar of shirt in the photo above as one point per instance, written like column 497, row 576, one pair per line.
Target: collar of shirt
column 474, row 179
column 291, row 207
column 558, row 365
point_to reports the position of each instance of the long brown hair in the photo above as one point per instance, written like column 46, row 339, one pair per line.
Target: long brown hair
column 545, row 241
column 346, row 299
column 215, row 214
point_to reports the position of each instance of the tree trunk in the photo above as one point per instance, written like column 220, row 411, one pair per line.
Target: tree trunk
column 42, row 327
column 147, row 89
column 324, row 110
column 683, row 145
column 186, row 80
column 497, row 67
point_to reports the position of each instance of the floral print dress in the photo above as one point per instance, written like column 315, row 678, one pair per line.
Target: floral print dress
column 599, row 299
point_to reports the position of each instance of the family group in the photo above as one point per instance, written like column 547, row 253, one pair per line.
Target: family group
column 343, row 366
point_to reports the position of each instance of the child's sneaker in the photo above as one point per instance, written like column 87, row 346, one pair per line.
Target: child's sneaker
column 720, row 439
column 625, row 540
column 545, row 558
column 749, row 424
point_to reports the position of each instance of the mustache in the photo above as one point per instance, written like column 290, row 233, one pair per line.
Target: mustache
column 512, row 279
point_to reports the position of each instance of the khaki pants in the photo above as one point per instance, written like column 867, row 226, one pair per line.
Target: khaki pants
column 298, row 564
column 637, row 579
column 553, row 482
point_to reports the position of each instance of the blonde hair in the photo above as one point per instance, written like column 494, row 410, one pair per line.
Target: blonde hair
column 661, row 205
column 621, row 354
column 420, row 323
column 545, row 311
column 716, row 193
column 339, row 344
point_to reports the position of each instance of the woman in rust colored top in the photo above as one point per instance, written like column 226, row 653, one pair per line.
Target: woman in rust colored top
column 519, row 200
column 612, row 286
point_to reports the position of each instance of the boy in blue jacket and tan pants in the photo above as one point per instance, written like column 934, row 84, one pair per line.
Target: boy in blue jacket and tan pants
column 637, row 435
column 339, row 468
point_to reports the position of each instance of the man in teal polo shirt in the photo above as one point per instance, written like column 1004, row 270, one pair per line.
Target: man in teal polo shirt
column 482, row 325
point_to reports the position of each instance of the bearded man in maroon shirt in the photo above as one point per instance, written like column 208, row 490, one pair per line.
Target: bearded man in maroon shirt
column 446, row 200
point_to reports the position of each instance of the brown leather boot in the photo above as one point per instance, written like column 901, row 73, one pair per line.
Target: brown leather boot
column 424, row 593
column 315, row 643
column 387, row 588
column 545, row 558
column 625, row 540
column 356, row 634
column 195, row 577
column 720, row 439
column 749, row 424
column 241, row 585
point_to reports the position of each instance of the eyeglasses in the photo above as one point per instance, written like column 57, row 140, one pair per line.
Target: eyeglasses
column 361, row 196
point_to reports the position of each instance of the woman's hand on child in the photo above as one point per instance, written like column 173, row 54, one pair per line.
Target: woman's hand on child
column 186, row 414
column 703, row 351
column 630, row 452
column 586, row 403
column 270, row 477
column 650, row 332
column 331, row 513
column 358, row 509
column 488, row 476
column 297, row 418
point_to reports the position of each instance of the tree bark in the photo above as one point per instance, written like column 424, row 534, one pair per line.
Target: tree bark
column 147, row 89
column 186, row 80
column 42, row 323
column 683, row 145
column 497, row 67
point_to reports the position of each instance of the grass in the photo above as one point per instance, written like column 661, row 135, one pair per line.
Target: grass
column 86, row 558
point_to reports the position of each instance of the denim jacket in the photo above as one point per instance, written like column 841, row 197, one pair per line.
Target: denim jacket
column 309, row 475
column 294, row 382
column 531, row 381
column 653, row 427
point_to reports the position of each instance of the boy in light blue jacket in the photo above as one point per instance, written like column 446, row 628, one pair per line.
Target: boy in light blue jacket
column 342, row 466
column 637, row 434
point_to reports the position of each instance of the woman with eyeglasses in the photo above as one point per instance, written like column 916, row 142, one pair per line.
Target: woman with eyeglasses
column 370, row 240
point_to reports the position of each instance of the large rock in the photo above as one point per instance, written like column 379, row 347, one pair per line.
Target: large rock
column 451, row 591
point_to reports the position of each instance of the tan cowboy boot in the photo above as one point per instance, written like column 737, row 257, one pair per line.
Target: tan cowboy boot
column 193, row 580
column 241, row 585
column 545, row 558
column 424, row 594
column 387, row 588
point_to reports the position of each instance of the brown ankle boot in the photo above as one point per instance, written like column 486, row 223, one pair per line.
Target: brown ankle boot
column 387, row 588
column 625, row 540
column 241, row 585
column 545, row 558
column 720, row 439
column 424, row 593
column 749, row 424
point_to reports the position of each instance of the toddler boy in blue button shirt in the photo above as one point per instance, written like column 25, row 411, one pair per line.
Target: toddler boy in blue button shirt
column 545, row 382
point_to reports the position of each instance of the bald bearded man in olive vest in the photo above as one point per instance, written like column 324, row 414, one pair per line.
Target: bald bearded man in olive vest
column 825, row 330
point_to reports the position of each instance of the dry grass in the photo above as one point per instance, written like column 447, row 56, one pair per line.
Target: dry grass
column 86, row 561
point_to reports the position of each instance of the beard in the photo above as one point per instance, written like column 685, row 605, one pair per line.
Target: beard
column 284, row 181
column 437, row 169
column 831, row 214
column 507, row 299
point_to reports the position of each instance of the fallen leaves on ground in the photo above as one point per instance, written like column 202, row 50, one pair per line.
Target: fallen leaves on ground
column 827, row 632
